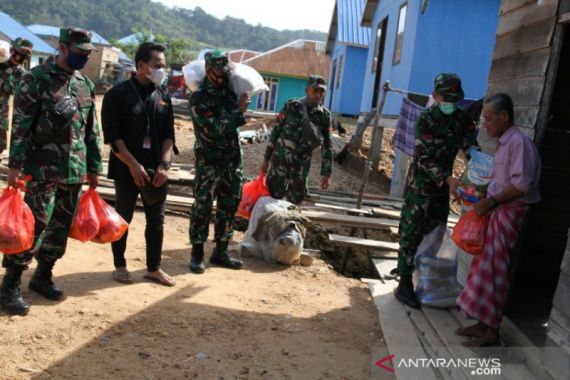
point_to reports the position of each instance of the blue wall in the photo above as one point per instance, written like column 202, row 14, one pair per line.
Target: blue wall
column 346, row 98
column 453, row 35
column 287, row 88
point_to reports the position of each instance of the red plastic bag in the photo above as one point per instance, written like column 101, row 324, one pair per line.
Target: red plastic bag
column 111, row 225
column 469, row 232
column 16, row 222
column 86, row 222
column 250, row 193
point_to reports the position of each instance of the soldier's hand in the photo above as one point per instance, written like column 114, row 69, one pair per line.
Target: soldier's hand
column 12, row 178
column 244, row 101
column 93, row 180
column 265, row 166
column 160, row 177
column 325, row 183
column 139, row 175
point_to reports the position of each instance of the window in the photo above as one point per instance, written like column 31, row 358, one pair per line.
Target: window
column 339, row 72
column 267, row 99
column 400, row 34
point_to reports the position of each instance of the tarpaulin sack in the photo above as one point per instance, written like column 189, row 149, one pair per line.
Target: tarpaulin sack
column 436, row 268
column 250, row 193
column 469, row 232
column 16, row 222
column 194, row 73
column 111, row 225
column 245, row 79
column 85, row 225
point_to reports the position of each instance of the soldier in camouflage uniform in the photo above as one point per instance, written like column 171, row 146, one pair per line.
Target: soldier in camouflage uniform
column 288, row 154
column 217, row 115
column 55, row 140
column 441, row 131
column 10, row 73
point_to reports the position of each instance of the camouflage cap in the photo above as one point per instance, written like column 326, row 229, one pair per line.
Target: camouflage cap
column 22, row 46
column 217, row 59
column 317, row 81
column 448, row 85
column 80, row 38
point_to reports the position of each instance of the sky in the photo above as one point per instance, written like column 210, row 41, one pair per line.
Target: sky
column 277, row 14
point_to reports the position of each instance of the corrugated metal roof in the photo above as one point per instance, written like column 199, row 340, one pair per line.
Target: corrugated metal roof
column 345, row 25
column 48, row 30
column 13, row 29
column 133, row 39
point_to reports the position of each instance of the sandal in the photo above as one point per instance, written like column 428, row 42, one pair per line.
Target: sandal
column 123, row 276
column 160, row 278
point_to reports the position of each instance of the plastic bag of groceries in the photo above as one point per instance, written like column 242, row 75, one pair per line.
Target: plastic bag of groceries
column 17, row 222
column 475, row 179
column 436, row 269
column 245, row 79
column 4, row 51
column 194, row 73
column 86, row 221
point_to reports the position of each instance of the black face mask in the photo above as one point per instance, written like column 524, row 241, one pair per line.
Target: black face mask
column 19, row 59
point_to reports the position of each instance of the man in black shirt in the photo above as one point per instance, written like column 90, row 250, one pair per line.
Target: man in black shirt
column 138, row 123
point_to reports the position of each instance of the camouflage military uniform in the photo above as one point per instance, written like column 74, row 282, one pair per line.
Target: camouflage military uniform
column 288, row 154
column 219, row 174
column 438, row 138
column 56, row 153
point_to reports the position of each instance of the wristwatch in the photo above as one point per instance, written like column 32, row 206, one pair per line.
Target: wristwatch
column 166, row 164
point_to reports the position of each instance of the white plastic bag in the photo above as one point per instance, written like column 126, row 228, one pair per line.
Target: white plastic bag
column 436, row 268
column 246, row 79
column 480, row 168
column 194, row 73
column 4, row 51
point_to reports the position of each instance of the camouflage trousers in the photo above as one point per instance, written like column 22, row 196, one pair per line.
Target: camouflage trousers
column 288, row 174
column 420, row 215
column 220, row 183
column 53, row 205
column 3, row 125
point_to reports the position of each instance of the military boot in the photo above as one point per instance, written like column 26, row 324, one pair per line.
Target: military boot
column 197, row 259
column 341, row 156
column 405, row 292
column 10, row 299
column 222, row 258
column 41, row 281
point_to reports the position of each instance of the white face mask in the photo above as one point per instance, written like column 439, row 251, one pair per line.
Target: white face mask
column 156, row 76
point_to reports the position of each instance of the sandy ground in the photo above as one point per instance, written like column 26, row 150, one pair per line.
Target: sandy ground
column 266, row 321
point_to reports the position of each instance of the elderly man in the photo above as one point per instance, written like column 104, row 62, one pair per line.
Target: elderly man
column 513, row 188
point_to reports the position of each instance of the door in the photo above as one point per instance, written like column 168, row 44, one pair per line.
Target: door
column 378, row 60
column 331, row 87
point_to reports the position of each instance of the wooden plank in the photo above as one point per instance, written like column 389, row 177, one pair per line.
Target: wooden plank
column 525, row 16
column 526, row 115
column 377, row 136
column 523, row 91
column 343, row 208
column 398, row 331
column 349, row 220
column 394, row 231
column 510, row 5
column 564, row 19
column 352, row 201
column 356, row 242
column 536, row 36
column 521, row 66
column 387, row 213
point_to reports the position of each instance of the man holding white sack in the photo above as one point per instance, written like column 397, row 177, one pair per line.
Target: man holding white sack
column 217, row 114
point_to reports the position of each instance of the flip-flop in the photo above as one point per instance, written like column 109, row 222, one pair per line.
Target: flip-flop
column 122, row 277
column 162, row 279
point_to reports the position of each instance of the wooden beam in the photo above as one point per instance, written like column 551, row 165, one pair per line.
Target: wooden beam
column 525, row 16
column 536, row 36
column 564, row 19
column 355, row 242
column 352, row 221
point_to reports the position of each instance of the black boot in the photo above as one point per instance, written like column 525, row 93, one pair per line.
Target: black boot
column 341, row 156
column 41, row 281
column 197, row 259
column 405, row 292
column 10, row 299
column 222, row 258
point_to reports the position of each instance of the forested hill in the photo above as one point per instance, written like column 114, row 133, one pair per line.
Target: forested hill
column 114, row 19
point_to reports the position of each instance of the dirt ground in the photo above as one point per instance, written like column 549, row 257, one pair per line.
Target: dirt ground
column 266, row 321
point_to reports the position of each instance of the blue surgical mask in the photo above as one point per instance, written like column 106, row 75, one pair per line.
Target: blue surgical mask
column 76, row 61
column 447, row 108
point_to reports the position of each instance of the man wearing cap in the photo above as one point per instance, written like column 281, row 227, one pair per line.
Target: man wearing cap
column 55, row 141
column 441, row 130
column 10, row 74
column 302, row 125
column 217, row 114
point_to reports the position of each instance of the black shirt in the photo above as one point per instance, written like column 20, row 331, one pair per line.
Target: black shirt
column 131, row 112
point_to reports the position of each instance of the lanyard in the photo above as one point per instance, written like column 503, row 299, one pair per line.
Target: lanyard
column 143, row 104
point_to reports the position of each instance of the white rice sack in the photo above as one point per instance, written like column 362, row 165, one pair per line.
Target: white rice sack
column 4, row 51
column 194, row 73
column 246, row 79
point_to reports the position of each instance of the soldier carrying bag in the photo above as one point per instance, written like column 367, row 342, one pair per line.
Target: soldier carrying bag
column 310, row 133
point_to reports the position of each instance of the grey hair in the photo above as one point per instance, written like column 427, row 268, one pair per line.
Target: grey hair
column 501, row 102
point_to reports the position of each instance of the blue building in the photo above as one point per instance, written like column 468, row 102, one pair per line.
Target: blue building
column 412, row 41
column 11, row 29
column 347, row 47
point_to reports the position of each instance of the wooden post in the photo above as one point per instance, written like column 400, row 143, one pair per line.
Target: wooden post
column 376, row 146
